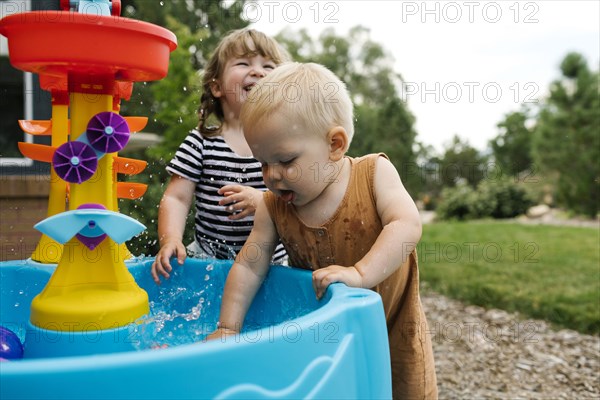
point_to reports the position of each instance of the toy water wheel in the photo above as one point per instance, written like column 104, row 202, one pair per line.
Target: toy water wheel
column 75, row 162
column 107, row 132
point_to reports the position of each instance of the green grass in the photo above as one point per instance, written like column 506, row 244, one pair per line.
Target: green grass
column 543, row 272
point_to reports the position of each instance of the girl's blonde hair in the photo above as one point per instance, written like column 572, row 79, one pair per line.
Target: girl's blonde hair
column 238, row 43
column 308, row 93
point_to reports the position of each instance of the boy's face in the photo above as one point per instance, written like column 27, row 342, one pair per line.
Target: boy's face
column 296, row 162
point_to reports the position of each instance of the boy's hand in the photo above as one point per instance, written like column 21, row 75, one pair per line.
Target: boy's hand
column 240, row 201
column 162, row 265
column 222, row 333
column 324, row 277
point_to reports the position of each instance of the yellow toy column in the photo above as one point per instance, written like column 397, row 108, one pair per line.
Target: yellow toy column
column 91, row 284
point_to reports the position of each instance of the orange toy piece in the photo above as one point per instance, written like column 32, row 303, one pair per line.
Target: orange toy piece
column 129, row 166
column 36, row 127
column 131, row 190
column 37, row 152
column 43, row 127
column 136, row 124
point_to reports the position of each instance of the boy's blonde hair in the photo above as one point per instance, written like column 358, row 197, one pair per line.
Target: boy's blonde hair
column 238, row 43
column 308, row 92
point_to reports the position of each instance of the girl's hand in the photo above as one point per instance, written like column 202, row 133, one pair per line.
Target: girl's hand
column 240, row 201
column 162, row 265
column 324, row 277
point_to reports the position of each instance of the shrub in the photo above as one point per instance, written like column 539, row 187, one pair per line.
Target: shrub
column 502, row 198
column 456, row 203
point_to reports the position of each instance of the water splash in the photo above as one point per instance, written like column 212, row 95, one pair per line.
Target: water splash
column 172, row 321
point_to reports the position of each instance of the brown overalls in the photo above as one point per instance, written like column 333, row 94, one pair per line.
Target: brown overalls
column 344, row 240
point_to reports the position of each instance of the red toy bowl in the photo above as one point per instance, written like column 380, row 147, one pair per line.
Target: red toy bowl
column 59, row 43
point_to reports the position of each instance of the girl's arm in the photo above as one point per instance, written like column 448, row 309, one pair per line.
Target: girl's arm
column 399, row 237
column 247, row 273
column 172, row 214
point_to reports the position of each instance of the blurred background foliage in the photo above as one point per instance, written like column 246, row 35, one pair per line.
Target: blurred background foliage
column 545, row 152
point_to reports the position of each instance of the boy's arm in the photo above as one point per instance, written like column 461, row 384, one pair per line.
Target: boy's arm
column 248, row 272
column 401, row 226
column 399, row 237
column 172, row 214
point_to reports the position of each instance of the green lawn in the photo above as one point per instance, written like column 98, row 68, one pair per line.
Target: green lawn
column 544, row 272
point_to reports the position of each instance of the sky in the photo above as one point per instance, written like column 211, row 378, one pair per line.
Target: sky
column 466, row 63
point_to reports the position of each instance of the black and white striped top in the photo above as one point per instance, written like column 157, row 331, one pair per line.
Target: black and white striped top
column 211, row 164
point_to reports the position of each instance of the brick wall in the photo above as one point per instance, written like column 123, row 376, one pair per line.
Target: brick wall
column 23, row 203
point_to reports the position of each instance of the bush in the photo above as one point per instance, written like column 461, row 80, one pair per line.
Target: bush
column 457, row 203
column 502, row 198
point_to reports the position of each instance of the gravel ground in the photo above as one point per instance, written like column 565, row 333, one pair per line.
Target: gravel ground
column 491, row 354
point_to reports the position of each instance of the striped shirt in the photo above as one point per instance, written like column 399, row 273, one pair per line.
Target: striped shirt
column 211, row 164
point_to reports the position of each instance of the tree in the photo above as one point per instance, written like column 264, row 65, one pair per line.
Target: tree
column 459, row 166
column 566, row 140
column 362, row 64
column 460, row 163
column 512, row 146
